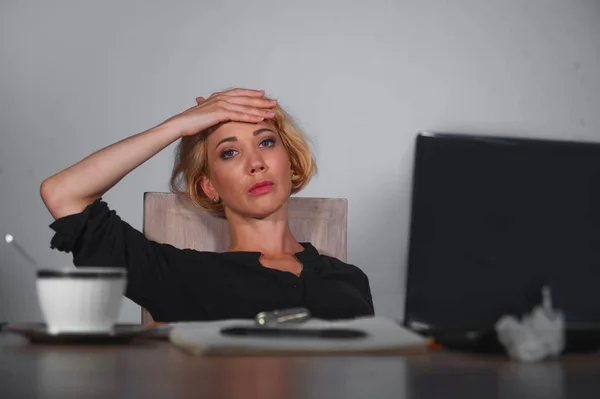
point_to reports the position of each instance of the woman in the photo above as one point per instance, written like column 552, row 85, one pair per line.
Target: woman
column 240, row 157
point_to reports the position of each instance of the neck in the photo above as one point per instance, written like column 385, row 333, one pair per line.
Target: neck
column 270, row 236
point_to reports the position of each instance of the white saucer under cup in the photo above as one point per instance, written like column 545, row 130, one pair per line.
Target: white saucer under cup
column 84, row 300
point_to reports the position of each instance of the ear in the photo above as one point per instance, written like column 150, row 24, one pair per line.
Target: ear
column 208, row 187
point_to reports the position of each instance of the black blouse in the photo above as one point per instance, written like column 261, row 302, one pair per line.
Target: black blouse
column 184, row 285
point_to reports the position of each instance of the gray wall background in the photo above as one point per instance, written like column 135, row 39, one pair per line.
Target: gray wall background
column 361, row 79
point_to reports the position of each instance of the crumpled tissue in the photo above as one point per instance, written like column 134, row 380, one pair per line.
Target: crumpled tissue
column 539, row 335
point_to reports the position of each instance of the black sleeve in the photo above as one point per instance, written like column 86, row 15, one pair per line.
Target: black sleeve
column 352, row 276
column 367, row 291
column 98, row 237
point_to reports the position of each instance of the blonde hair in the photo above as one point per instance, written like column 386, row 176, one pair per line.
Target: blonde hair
column 191, row 161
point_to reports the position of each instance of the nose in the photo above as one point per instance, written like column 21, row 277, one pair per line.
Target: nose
column 256, row 164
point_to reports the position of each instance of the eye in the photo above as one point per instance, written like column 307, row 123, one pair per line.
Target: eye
column 228, row 154
column 270, row 142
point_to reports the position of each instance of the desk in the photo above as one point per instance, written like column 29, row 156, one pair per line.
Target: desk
column 156, row 369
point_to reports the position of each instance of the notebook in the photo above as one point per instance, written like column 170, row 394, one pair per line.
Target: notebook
column 383, row 336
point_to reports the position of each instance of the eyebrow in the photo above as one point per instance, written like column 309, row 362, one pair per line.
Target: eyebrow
column 233, row 138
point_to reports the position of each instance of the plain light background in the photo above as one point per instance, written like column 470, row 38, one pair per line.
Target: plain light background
column 361, row 79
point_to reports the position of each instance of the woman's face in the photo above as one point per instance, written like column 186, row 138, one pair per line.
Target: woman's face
column 250, row 169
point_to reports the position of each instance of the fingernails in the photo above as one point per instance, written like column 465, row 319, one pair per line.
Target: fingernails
column 270, row 113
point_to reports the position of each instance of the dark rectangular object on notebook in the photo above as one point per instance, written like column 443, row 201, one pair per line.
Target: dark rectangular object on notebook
column 493, row 220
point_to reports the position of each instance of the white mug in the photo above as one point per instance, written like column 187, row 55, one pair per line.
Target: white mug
column 84, row 300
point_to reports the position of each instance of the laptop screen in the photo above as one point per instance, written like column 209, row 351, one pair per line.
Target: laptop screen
column 495, row 219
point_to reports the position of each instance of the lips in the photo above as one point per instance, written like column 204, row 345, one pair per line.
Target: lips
column 261, row 187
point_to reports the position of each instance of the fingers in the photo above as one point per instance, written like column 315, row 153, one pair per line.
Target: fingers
column 252, row 101
column 243, row 92
column 240, row 117
column 236, row 111
column 242, row 100
column 238, row 93
column 242, row 105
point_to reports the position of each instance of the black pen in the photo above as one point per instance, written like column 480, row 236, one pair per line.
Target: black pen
column 329, row 333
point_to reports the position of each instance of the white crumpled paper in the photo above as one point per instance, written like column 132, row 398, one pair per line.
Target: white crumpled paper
column 537, row 336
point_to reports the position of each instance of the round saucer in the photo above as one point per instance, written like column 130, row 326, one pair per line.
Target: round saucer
column 39, row 334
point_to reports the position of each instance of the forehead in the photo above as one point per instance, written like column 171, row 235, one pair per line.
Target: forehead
column 238, row 129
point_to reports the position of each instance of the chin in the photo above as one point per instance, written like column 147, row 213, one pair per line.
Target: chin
column 261, row 207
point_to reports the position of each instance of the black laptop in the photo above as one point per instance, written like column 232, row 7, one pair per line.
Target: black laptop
column 493, row 220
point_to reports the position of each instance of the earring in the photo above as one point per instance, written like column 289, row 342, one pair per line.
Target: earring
column 214, row 199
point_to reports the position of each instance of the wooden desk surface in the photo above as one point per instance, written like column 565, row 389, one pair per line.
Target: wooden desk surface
column 157, row 369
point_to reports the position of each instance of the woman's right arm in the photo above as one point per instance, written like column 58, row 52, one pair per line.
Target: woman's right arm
column 73, row 189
